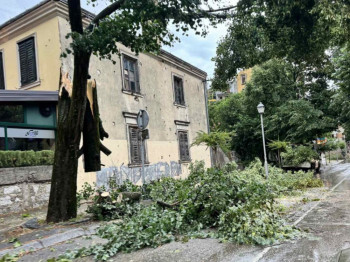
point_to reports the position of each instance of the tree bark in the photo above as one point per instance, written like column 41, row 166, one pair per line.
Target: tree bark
column 63, row 200
column 92, row 133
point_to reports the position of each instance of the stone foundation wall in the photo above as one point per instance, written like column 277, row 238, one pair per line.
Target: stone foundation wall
column 23, row 188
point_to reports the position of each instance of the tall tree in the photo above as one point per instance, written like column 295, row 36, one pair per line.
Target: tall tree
column 140, row 25
column 299, row 31
column 292, row 112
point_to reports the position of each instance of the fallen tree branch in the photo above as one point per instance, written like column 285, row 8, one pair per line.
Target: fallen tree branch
column 164, row 204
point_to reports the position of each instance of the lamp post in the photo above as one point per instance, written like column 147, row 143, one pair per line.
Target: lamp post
column 261, row 109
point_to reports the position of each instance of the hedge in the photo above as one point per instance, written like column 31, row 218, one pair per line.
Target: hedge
column 26, row 158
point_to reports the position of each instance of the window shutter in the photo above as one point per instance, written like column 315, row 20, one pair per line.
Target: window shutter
column 176, row 87
column 178, row 90
column 184, row 148
column 27, row 61
column 2, row 78
column 137, row 79
column 182, row 98
column 135, row 145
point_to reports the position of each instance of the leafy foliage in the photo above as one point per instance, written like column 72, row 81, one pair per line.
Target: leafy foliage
column 298, row 31
column 238, row 204
column 26, row 158
column 298, row 155
column 293, row 112
column 107, row 205
column 278, row 145
column 213, row 140
column 142, row 26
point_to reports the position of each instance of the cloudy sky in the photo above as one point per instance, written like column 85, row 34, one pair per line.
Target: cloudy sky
column 193, row 49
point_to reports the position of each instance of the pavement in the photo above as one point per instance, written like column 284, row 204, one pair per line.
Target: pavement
column 327, row 220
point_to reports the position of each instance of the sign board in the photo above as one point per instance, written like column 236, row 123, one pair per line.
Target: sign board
column 321, row 141
column 28, row 133
column 142, row 119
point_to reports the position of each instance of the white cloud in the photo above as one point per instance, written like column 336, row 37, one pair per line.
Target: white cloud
column 193, row 49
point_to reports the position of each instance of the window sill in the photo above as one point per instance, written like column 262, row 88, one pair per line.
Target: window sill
column 138, row 165
column 179, row 105
column 31, row 85
column 131, row 93
column 185, row 161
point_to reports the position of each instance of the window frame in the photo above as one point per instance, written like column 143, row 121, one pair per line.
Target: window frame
column 173, row 76
column 37, row 81
column 243, row 76
column 188, row 146
column 3, row 67
column 137, row 75
column 131, row 163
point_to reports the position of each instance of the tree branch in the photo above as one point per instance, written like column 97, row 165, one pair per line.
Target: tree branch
column 220, row 9
column 104, row 13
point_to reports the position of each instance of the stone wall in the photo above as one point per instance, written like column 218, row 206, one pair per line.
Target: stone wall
column 23, row 188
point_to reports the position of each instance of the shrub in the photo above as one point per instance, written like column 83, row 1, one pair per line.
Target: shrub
column 26, row 158
column 298, row 155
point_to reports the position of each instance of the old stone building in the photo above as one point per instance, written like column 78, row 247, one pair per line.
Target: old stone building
column 170, row 89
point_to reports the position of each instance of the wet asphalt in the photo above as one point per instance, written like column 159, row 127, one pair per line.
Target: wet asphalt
column 327, row 221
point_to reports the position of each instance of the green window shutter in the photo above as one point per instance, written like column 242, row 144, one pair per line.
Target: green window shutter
column 2, row 78
column 27, row 61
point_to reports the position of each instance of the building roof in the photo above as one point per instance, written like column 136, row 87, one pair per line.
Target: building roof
column 28, row 96
column 85, row 12
column 90, row 16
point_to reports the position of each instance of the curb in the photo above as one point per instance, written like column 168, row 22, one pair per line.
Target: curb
column 36, row 245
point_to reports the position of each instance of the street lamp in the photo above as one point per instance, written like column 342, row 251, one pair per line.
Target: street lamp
column 261, row 109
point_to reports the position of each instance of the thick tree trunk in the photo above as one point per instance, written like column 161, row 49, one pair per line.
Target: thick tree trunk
column 63, row 201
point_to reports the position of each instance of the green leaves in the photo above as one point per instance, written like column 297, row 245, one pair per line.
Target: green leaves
column 298, row 155
column 239, row 205
column 297, row 102
column 143, row 26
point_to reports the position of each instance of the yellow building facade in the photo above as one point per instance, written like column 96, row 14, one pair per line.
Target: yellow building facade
column 46, row 24
column 243, row 77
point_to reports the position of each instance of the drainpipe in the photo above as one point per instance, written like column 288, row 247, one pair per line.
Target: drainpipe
column 207, row 115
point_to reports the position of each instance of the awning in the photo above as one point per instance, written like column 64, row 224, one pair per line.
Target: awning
column 28, row 96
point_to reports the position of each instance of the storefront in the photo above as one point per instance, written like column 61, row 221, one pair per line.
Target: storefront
column 27, row 120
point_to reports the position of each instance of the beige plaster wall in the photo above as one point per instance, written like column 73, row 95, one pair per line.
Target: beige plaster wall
column 157, row 98
column 48, row 56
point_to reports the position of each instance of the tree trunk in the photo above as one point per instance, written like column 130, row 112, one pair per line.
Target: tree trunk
column 71, row 111
column 92, row 132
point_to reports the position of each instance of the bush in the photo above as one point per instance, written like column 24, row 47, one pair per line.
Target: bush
column 26, row 158
column 298, row 155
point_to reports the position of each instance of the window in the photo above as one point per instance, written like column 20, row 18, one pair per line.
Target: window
column 243, row 79
column 135, row 145
column 27, row 61
column 183, row 145
column 130, row 75
column 2, row 75
column 179, row 91
column 12, row 113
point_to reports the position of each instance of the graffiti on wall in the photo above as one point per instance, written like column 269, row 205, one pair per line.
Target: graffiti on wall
column 123, row 173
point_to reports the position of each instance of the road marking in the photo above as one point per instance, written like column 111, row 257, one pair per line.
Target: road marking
column 266, row 249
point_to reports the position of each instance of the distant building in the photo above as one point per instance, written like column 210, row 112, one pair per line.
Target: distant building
column 239, row 82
